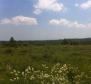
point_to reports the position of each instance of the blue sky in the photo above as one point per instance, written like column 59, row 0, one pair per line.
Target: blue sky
column 45, row 19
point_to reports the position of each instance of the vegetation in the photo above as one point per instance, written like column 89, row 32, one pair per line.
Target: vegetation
column 43, row 56
column 57, row 74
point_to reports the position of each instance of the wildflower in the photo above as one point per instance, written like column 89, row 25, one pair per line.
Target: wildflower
column 46, row 75
column 32, row 77
column 11, row 80
column 16, row 74
column 29, row 68
column 23, row 73
column 56, row 75
column 60, row 71
column 17, row 78
column 14, row 71
column 26, row 70
column 14, row 78
column 32, row 69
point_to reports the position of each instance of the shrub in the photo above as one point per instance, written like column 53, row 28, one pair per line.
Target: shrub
column 58, row 74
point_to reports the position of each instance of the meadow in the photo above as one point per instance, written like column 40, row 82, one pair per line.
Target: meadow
column 43, row 58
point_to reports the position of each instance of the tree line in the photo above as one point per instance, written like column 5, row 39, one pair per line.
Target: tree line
column 13, row 42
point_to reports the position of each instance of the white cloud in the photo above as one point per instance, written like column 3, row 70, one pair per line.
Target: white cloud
column 52, row 5
column 85, row 5
column 67, row 23
column 19, row 20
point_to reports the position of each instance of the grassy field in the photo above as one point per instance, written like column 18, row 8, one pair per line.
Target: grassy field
column 22, row 56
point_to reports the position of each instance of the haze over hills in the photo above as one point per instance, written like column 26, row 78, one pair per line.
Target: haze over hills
column 71, row 41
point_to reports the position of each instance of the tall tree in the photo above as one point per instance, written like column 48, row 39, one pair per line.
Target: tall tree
column 12, row 42
column 12, row 39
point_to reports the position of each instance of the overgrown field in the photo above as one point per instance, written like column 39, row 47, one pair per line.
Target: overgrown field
column 20, row 57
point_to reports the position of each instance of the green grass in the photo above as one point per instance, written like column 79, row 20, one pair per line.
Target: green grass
column 35, row 55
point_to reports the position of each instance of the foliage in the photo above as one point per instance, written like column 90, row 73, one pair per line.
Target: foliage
column 12, row 42
column 23, row 55
column 58, row 74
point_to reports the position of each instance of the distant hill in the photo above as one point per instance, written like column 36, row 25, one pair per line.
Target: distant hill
column 60, row 41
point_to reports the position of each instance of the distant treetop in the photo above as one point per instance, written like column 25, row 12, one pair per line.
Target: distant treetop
column 12, row 39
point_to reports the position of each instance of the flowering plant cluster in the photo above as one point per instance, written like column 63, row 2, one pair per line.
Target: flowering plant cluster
column 58, row 74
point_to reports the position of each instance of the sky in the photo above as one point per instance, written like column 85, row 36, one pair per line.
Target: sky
column 45, row 19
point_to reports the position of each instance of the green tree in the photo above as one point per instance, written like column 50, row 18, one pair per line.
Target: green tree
column 12, row 39
column 12, row 42
column 65, row 41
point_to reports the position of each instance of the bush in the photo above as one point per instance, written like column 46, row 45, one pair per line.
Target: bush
column 58, row 74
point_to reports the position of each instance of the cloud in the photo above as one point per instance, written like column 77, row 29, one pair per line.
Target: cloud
column 19, row 20
column 85, row 5
column 67, row 23
column 52, row 5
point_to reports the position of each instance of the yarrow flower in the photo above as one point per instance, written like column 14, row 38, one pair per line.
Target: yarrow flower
column 58, row 74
